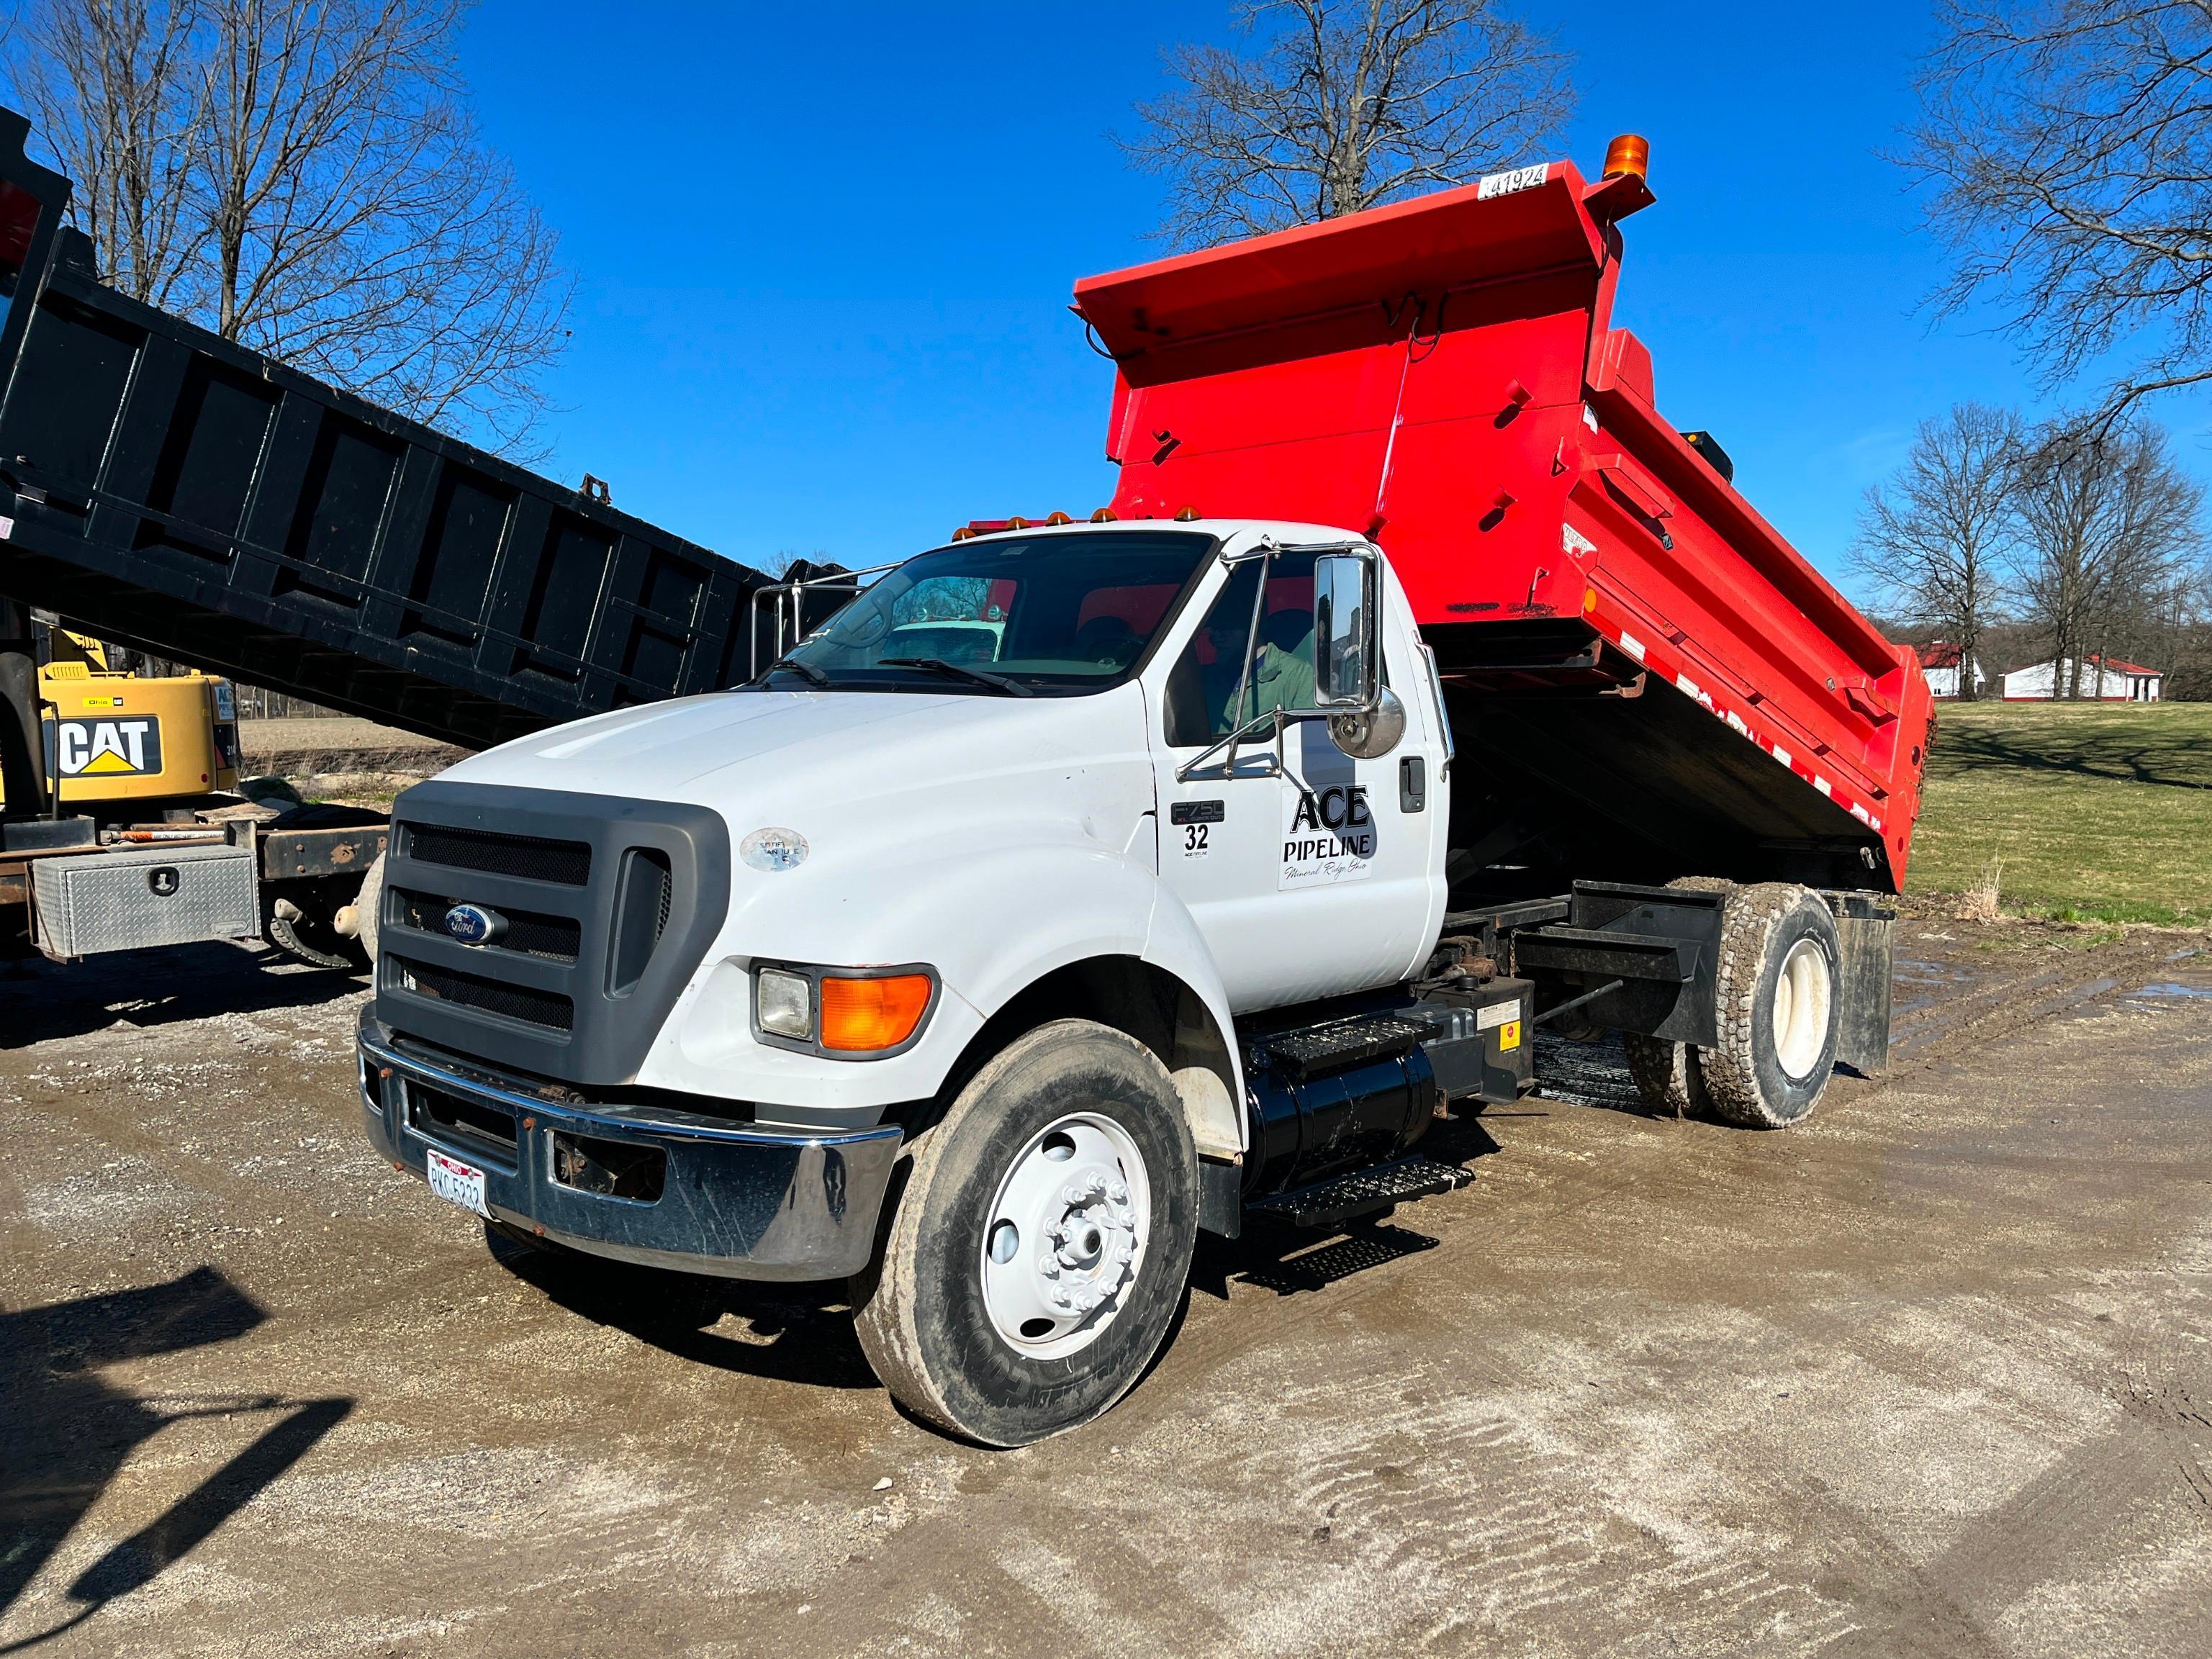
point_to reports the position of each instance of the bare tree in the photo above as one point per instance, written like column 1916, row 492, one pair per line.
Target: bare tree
column 1346, row 104
column 2111, row 541
column 304, row 176
column 111, row 89
column 2064, row 142
column 1936, row 539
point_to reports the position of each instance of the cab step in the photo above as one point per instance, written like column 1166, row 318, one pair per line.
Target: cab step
column 1340, row 1045
column 1362, row 1192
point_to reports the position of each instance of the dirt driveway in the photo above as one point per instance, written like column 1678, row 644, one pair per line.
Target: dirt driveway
column 1932, row 1375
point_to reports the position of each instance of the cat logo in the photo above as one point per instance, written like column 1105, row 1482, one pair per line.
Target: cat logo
column 105, row 749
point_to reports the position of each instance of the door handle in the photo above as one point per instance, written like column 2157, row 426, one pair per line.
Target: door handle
column 1413, row 784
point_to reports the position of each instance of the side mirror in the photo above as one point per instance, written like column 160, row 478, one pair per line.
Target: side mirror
column 1370, row 733
column 1347, row 633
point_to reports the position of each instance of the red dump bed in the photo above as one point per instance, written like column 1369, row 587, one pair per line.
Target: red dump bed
column 1622, row 627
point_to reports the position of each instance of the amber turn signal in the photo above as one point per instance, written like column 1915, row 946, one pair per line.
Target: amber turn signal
column 1628, row 153
column 861, row 1016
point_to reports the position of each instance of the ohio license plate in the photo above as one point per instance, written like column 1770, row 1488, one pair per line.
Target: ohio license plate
column 458, row 1182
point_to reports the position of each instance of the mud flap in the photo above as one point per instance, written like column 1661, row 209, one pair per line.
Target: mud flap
column 1221, row 1197
column 1863, row 930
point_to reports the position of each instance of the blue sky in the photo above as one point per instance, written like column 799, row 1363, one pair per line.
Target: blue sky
column 823, row 257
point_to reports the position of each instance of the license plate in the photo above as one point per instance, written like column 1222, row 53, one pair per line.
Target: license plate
column 458, row 1182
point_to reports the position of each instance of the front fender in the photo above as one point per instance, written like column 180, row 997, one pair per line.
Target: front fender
column 990, row 919
column 1174, row 945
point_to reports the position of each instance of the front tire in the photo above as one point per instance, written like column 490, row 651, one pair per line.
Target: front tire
column 1040, row 1246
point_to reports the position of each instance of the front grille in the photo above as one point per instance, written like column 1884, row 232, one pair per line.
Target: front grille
column 490, row 996
column 610, row 905
column 555, row 938
column 536, row 858
column 640, row 916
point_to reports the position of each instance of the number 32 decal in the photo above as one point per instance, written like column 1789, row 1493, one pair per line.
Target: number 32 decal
column 1194, row 839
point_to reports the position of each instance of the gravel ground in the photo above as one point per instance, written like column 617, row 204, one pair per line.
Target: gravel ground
column 1930, row 1376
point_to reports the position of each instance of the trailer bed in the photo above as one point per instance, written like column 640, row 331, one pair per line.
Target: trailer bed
column 164, row 487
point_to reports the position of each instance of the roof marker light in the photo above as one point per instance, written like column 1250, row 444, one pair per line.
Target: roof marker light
column 1628, row 153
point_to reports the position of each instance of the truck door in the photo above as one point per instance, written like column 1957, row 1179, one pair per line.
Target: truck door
column 1326, row 878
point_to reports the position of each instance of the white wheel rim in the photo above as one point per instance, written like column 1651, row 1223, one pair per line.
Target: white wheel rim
column 1066, row 1238
column 1802, row 996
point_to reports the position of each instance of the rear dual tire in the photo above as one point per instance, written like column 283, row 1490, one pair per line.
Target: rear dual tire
column 1666, row 1075
column 1777, row 1013
column 1776, row 1006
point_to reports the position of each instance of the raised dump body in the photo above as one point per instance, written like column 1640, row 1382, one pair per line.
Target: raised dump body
column 1650, row 681
column 163, row 486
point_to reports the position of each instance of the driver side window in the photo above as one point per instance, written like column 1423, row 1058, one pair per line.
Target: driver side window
column 1202, row 702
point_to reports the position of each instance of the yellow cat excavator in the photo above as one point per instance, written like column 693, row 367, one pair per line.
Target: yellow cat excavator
column 125, row 745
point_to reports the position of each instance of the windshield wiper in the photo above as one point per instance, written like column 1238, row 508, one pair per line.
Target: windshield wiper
column 805, row 669
column 959, row 671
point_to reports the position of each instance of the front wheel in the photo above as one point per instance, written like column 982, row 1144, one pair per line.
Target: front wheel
column 1041, row 1243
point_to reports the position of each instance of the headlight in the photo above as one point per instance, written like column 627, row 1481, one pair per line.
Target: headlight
column 843, row 1013
column 784, row 1004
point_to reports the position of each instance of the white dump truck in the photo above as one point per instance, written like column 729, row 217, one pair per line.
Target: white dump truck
column 1080, row 887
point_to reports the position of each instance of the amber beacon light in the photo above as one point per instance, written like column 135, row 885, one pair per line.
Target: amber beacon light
column 1628, row 155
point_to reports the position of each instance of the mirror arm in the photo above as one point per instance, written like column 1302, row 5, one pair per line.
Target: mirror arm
column 1277, row 718
column 1251, row 644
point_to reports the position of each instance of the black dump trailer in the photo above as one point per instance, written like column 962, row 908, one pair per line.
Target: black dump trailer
column 181, row 493
column 175, row 491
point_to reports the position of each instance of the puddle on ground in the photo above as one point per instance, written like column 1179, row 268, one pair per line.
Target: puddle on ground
column 1916, row 986
column 2170, row 990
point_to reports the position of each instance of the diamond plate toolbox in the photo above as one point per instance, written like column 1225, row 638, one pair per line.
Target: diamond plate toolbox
column 163, row 895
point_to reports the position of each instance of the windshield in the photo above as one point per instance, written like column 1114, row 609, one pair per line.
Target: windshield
column 1025, row 615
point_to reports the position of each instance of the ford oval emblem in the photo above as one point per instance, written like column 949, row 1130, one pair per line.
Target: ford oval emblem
column 472, row 924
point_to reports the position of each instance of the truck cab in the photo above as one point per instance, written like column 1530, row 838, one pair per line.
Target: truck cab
column 986, row 982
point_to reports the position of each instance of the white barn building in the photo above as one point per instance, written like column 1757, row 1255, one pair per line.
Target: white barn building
column 2106, row 679
column 1939, row 663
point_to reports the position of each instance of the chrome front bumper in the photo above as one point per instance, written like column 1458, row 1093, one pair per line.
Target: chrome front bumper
column 733, row 1199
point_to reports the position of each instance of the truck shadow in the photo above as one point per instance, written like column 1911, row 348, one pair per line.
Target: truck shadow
column 780, row 1333
column 65, row 1433
column 42, row 1000
column 1289, row 1260
column 1594, row 1073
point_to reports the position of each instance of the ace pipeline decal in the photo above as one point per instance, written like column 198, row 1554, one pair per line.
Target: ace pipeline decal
column 1329, row 835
